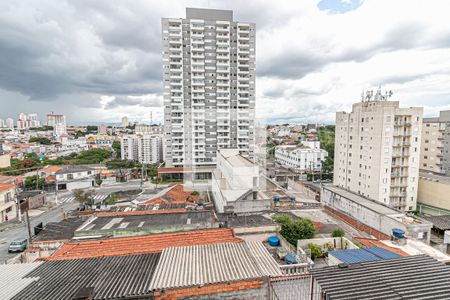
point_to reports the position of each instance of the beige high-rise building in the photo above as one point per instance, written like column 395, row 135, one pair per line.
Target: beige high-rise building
column 377, row 151
column 434, row 152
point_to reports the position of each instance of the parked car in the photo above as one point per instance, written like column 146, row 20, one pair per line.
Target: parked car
column 18, row 246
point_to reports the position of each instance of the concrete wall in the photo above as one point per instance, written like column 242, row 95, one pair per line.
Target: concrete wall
column 370, row 221
column 338, row 243
column 248, row 206
column 434, row 193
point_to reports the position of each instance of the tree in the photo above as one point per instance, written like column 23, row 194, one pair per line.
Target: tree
column 40, row 140
column 92, row 128
column 98, row 181
column 121, row 164
column 316, row 250
column 294, row 230
column 338, row 233
column 85, row 198
column 117, row 149
column 30, row 182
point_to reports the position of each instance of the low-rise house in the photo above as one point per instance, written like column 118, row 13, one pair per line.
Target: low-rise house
column 8, row 210
column 75, row 177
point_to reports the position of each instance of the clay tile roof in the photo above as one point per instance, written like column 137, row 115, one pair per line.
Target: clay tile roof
column 51, row 169
column 6, row 186
column 176, row 195
column 143, row 244
column 373, row 242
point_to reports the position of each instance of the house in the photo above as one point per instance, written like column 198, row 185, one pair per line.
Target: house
column 8, row 210
column 75, row 177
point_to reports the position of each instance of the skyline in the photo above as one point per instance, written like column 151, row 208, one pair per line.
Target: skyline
column 312, row 58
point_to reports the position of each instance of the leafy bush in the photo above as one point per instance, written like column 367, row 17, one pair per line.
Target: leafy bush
column 294, row 230
column 338, row 233
column 316, row 250
column 194, row 193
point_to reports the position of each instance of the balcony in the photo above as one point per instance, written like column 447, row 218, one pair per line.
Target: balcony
column 402, row 123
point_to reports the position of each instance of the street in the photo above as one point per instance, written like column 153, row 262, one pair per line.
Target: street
column 56, row 214
column 20, row 232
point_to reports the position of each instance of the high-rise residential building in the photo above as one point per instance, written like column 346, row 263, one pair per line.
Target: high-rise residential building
column 2, row 123
column 58, row 122
column 435, row 147
column 145, row 148
column 125, row 122
column 9, row 123
column 377, row 151
column 33, row 121
column 22, row 122
column 209, row 86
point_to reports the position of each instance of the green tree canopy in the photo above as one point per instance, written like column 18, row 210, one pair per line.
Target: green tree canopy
column 295, row 229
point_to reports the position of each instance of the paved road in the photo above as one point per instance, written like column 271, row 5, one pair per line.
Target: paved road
column 21, row 232
column 57, row 214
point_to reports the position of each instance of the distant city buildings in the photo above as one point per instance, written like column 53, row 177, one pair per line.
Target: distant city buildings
column 9, row 123
column 27, row 121
column 125, row 122
column 377, row 151
column 302, row 158
column 102, row 129
column 435, row 146
column 209, row 86
column 58, row 122
column 143, row 148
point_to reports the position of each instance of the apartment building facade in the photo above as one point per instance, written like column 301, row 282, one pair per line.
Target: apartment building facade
column 209, row 86
column 305, row 157
column 377, row 152
column 147, row 149
column 434, row 153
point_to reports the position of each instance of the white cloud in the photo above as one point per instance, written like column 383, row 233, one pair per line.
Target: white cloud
column 103, row 58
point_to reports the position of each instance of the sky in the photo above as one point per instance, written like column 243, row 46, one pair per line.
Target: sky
column 97, row 61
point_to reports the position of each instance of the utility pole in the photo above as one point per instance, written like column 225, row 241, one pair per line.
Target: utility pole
column 142, row 174
column 37, row 179
column 28, row 225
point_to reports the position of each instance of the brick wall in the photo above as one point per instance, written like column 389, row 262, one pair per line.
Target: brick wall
column 356, row 224
column 241, row 290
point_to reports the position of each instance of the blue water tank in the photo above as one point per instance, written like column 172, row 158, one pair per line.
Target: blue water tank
column 398, row 233
column 273, row 241
column 276, row 199
column 290, row 259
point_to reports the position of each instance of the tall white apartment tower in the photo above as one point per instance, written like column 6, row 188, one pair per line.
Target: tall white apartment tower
column 209, row 86
column 377, row 151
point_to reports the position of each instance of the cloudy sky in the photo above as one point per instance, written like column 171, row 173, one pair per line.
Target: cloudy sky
column 96, row 61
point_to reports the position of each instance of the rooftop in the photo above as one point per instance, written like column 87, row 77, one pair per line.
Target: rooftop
column 235, row 159
column 411, row 277
column 439, row 222
column 145, row 221
column 13, row 280
column 174, row 194
column 378, row 207
column 6, row 187
column 434, row 177
column 73, row 169
column 246, row 220
column 352, row 256
column 373, row 242
column 143, row 244
column 109, row 277
column 63, row 230
column 199, row 265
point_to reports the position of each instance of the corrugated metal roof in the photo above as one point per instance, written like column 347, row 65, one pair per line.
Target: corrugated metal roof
column 110, row 277
column 411, row 277
column 11, row 278
column 439, row 222
column 352, row 256
column 199, row 265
